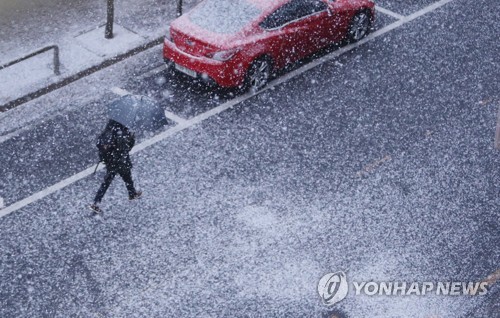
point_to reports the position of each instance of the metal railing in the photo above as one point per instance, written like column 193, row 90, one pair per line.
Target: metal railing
column 42, row 50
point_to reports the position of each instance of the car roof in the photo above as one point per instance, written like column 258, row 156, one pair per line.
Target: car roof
column 267, row 4
column 184, row 25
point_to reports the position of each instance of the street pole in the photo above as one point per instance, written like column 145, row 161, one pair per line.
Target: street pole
column 179, row 8
column 108, row 33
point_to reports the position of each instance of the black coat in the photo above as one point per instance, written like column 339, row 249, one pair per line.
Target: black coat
column 123, row 141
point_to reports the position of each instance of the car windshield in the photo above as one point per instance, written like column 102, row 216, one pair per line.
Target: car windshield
column 224, row 16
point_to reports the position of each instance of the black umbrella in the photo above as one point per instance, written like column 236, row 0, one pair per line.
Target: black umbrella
column 137, row 113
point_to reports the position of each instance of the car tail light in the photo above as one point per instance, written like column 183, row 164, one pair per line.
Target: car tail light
column 222, row 55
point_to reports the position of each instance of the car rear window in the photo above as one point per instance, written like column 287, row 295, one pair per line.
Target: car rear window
column 223, row 16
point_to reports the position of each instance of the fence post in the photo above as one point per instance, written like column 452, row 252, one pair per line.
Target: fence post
column 108, row 33
column 179, row 8
column 56, row 60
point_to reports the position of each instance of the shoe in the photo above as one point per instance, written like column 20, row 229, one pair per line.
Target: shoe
column 95, row 208
column 137, row 195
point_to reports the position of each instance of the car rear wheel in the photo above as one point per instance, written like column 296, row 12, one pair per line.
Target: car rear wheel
column 359, row 27
column 258, row 74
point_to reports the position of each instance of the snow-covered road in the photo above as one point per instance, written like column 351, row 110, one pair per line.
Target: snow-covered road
column 378, row 162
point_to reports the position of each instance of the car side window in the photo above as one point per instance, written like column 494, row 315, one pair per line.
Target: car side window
column 317, row 6
column 292, row 11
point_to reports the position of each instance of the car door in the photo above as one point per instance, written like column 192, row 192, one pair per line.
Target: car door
column 316, row 24
column 340, row 12
column 286, row 32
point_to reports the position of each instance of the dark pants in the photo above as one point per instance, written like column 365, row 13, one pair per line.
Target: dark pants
column 126, row 175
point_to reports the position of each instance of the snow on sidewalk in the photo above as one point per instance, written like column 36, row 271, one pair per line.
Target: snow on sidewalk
column 77, row 28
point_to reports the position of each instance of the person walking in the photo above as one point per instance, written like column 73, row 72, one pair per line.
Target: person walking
column 114, row 145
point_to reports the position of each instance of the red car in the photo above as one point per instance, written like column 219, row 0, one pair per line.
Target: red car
column 242, row 42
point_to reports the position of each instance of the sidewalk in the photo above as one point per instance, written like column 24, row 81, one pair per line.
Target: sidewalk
column 77, row 28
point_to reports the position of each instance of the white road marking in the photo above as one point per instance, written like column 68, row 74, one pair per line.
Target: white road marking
column 426, row 10
column 389, row 13
column 47, row 191
column 13, row 134
column 120, row 91
column 1, row 203
column 174, row 117
column 214, row 111
column 191, row 122
column 153, row 71
column 16, row 133
column 350, row 47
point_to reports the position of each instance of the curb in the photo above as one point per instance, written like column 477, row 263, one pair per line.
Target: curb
column 72, row 78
